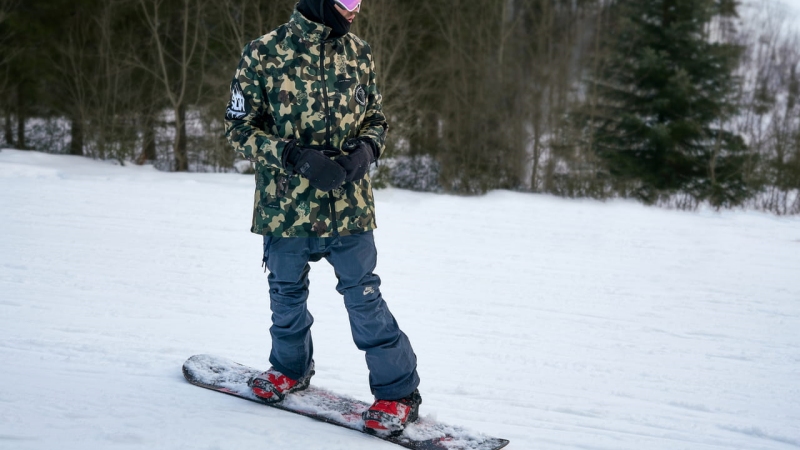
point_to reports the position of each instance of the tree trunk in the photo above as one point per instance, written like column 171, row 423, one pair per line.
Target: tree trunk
column 9, row 130
column 76, row 132
column 20, row 119
column 179, row 148
column 148, row 139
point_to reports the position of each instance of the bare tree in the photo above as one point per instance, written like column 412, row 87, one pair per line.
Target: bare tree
column 769, row 116
column 504, row 77
column 178, row 40
column 74, row 63
column 7, row 53
column 395, row 39
column 245, row 20
column 556, row 39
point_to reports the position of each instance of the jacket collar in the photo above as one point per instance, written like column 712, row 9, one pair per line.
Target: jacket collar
column 308, row 30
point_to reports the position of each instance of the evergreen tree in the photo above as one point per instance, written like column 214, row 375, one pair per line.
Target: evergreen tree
column 665, row 95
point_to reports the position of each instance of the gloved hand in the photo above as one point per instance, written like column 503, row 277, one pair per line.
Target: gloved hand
column 322, row 172
column 361, row 153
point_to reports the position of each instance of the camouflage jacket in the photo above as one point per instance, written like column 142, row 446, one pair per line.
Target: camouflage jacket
column 293, row 84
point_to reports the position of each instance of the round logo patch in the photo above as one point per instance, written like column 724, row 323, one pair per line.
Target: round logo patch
column 361, row 95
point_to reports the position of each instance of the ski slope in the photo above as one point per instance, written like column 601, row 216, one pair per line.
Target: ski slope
column 794, row 5
column 557, row 324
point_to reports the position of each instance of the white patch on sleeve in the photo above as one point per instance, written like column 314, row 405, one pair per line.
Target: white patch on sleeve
column 236, row 106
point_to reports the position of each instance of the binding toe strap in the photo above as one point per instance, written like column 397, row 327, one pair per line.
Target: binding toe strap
column 265, row 385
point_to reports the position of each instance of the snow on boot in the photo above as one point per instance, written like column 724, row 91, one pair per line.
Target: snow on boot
column 272, row 386
column 391, row 416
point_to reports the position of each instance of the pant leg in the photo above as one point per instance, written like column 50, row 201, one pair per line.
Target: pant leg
column 391, row 360
column 292, row 348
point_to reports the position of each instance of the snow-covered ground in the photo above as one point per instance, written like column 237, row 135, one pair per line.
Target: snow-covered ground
column 556, row 324
column 793, row 4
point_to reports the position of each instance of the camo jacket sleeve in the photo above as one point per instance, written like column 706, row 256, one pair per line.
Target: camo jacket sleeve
column 374, row 125
column 247, row 115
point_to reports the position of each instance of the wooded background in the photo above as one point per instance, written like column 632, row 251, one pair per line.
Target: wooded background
column 673, row 102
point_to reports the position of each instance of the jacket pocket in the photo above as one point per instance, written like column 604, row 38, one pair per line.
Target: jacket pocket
column 273, row 185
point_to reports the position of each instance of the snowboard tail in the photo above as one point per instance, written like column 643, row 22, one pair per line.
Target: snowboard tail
column 226, row 376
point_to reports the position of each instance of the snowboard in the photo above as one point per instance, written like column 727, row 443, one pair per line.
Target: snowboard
column 226, row 376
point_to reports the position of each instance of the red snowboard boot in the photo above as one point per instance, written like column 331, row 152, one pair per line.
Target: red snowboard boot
column 391, row 416
column 272, row 386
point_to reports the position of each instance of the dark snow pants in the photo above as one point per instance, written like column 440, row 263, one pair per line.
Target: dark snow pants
column 390, row 359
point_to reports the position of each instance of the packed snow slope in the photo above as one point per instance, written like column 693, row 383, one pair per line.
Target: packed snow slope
column 558, row 324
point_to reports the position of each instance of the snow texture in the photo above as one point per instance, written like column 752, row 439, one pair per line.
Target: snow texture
column 794, row 5
column 557, row 324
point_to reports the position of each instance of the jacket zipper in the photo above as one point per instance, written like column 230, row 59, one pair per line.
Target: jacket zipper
column 325, row 94
column 334, row 219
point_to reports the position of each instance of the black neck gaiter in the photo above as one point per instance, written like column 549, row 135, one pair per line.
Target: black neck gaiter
column 326, row 15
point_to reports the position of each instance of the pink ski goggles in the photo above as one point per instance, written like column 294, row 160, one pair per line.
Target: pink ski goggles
column 350, row 5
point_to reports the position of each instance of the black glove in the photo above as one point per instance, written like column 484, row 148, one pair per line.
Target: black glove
column 361, row 153
column 322, row 172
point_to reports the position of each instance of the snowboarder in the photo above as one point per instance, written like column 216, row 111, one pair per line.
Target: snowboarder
column 306, row 110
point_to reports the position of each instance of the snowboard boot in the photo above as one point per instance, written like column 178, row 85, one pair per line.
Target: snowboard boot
column 272, row 386
column 391, row 416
